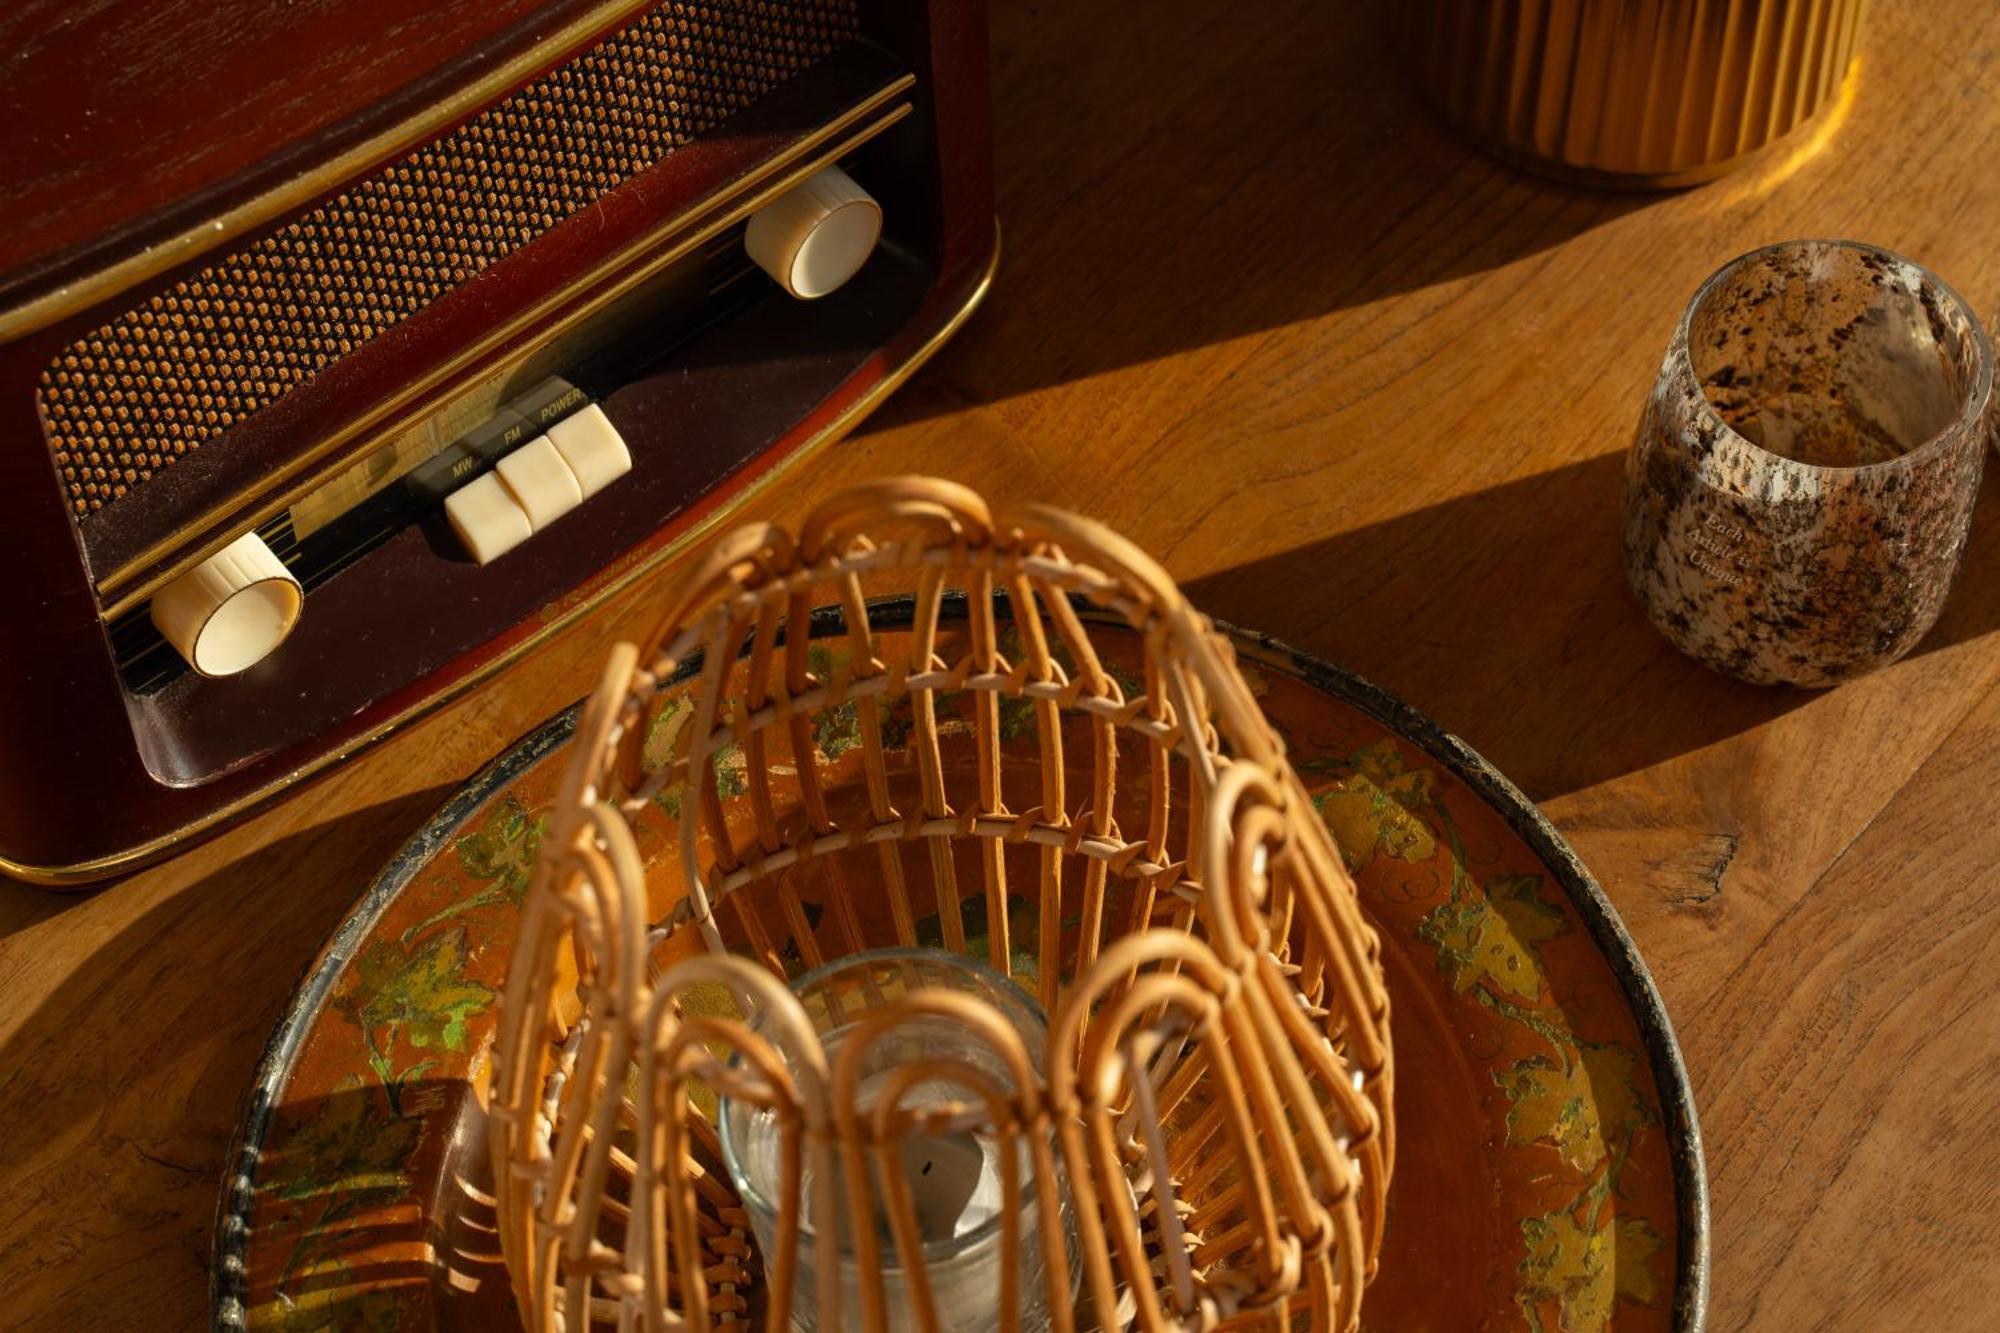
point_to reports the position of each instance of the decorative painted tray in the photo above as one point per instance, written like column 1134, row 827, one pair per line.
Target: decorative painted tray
column 1549, row 1173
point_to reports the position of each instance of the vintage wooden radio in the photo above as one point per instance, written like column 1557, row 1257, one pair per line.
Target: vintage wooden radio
column 349, row 349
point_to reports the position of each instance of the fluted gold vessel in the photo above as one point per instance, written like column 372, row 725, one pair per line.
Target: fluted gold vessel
column 1644, row 93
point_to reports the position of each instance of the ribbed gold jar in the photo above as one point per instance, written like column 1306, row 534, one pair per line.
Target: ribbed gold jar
column 1631, row 92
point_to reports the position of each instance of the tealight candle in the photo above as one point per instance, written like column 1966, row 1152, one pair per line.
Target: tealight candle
column 956, row 1175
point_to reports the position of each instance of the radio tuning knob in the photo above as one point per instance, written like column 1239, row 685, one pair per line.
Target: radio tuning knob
column 227, row 613
column 816, row 235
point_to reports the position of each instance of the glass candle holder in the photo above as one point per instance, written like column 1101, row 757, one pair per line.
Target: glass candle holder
column 1802, row 482
column 955, row 1174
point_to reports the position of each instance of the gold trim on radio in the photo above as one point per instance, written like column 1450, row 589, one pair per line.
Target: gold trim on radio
column 849, row 417
column 680, row 236
column 407, row 133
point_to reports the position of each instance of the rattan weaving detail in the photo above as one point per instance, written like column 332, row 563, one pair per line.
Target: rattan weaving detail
column 158, row 382
column 1219, row 1088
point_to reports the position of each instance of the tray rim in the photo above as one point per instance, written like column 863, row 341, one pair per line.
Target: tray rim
column 1678, row 1118
column 1679, row 1122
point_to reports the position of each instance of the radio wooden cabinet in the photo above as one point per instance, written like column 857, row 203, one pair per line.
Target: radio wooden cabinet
column 348, row 349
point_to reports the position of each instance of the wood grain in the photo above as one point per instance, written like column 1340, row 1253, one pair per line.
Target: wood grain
column 1363, row 388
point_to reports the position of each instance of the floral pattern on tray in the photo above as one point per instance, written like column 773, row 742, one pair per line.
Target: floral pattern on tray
column 1533, row 1164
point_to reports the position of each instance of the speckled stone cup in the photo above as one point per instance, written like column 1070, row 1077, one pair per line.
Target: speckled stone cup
column 1799, row 492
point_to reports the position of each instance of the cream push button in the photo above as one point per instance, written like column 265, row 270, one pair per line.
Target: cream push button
column 540, row 482
column 487, row 519
column 592, row 448
column 227, row 613
column 816, row 235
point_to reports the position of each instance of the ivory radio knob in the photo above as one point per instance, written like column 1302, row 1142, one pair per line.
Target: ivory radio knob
column 816, row 235
column 227, row 613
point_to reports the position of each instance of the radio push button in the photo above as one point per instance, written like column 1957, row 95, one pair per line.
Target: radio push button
column 540, row 482
column 486, row 518
column 816, row 235
column 592, row 447
column 227, row 613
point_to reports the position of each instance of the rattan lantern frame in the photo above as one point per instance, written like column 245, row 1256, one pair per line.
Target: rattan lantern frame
column 1219, row 1085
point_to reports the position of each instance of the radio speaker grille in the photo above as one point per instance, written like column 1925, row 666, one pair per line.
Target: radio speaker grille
column 154, row 384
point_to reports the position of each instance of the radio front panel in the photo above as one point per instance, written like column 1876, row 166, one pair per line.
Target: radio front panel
column 176, row 371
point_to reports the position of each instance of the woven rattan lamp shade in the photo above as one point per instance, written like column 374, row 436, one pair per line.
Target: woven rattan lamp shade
column 1124, row 839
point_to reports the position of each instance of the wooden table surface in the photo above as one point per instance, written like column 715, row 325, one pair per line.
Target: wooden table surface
column 1366, row 389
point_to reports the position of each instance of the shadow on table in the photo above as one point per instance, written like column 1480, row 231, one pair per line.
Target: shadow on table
column 1505, row 615
column 136, row 1064
column 1219, row 171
